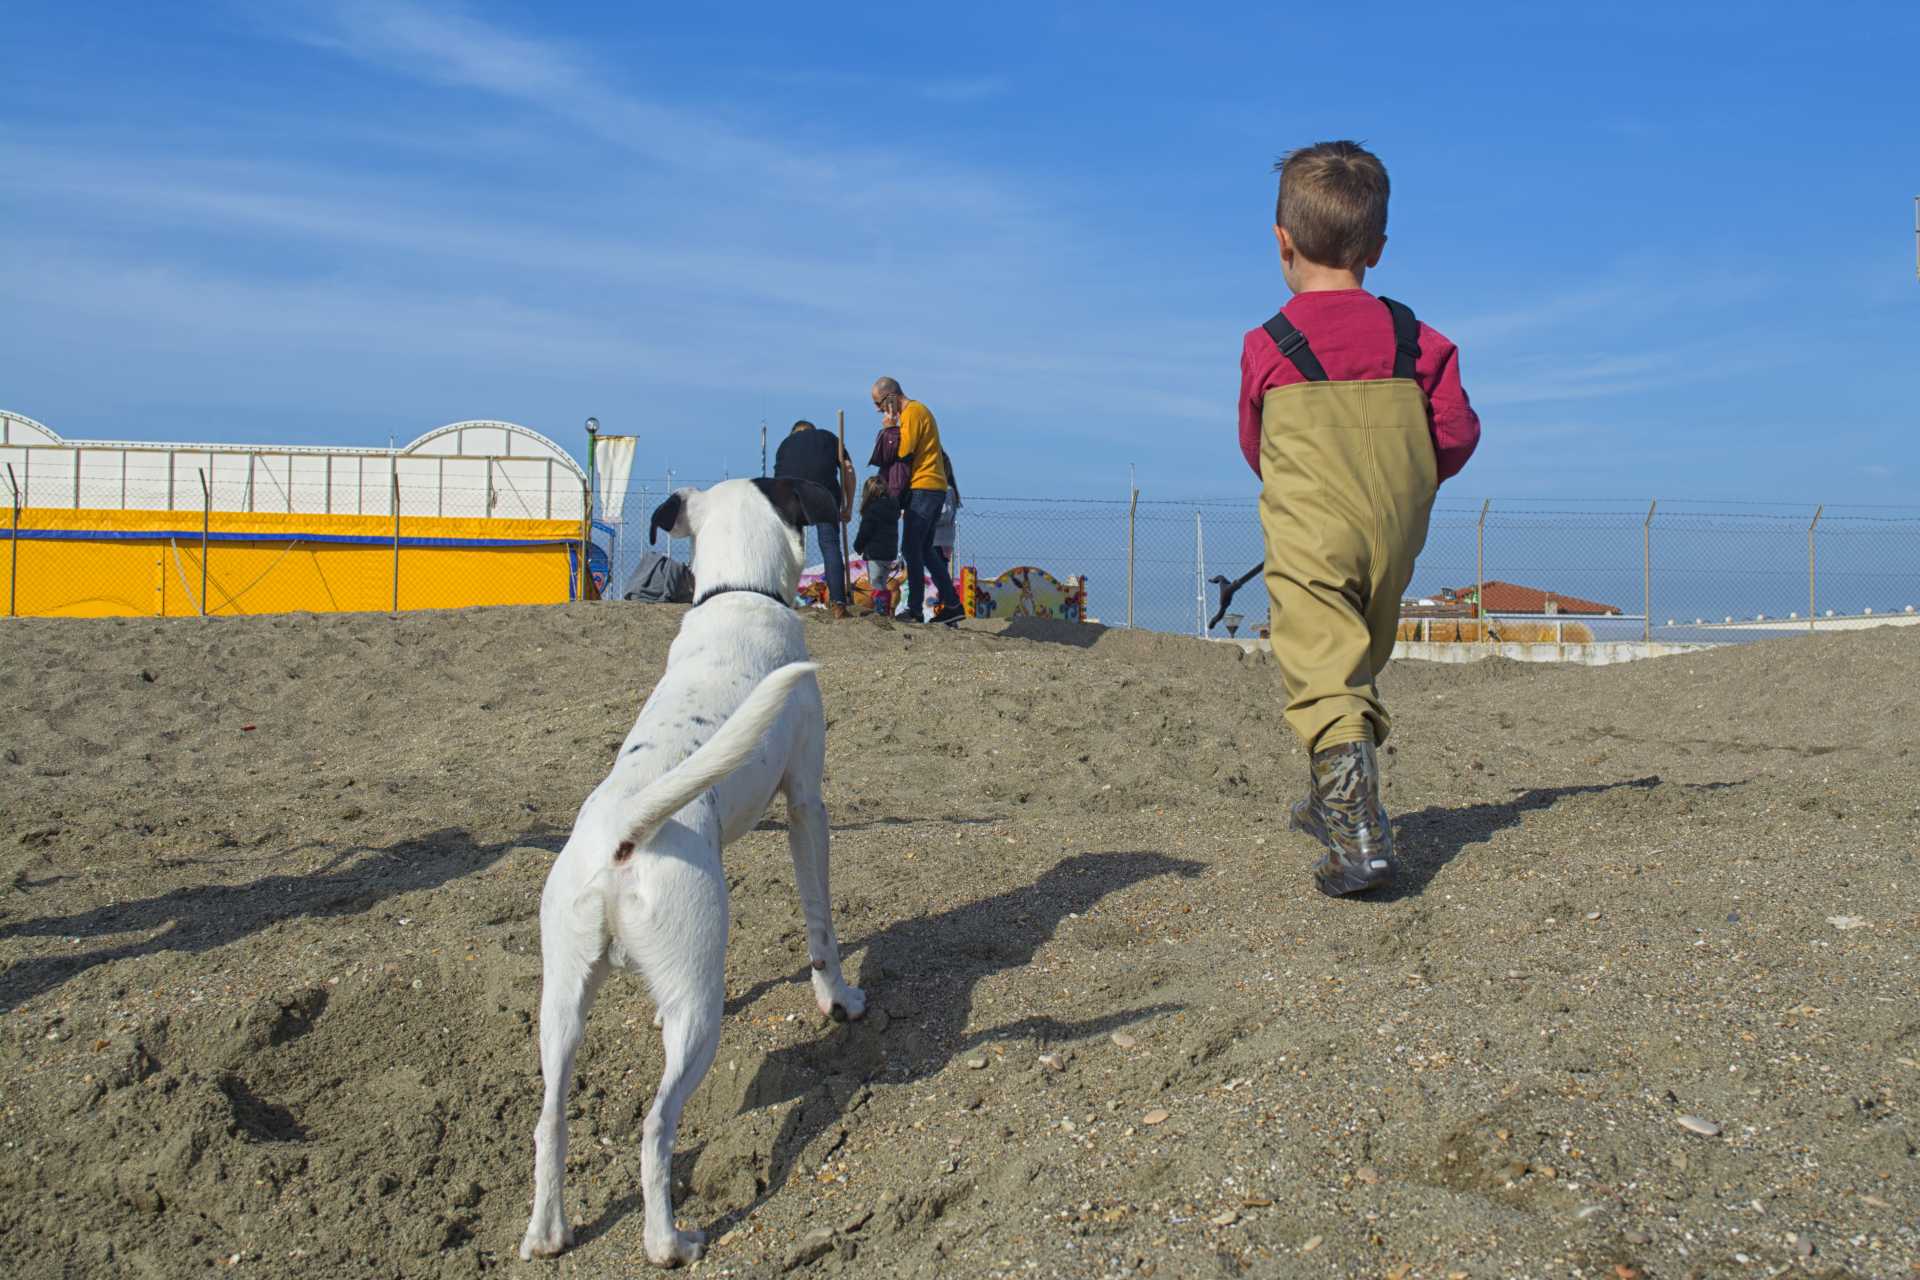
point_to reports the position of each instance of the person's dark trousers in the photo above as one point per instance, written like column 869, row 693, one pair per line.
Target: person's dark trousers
column 923, row 514
column 827, row 532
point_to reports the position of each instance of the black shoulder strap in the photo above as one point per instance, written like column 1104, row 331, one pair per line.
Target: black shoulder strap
column 1406, row 339
column 1293, row 345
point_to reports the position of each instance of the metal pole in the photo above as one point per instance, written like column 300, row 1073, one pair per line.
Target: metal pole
column 586, row 508
column 763, row 447
column 586, row 539
column 1811, row 599
column 206, row 520
column 395, row 476
column 1480, row 572
column 593, row 441
column 1646, row 575
column 13, row 569
column 1199, row 575
column 1132, row 503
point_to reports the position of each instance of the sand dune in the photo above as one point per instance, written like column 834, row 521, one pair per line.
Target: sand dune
column 268, row 923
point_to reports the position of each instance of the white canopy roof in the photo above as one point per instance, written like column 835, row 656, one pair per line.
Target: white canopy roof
column 478, row 468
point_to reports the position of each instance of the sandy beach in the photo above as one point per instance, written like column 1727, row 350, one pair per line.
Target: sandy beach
column 1643, row 1005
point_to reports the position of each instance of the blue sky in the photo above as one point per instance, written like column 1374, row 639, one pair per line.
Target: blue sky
column 1674, row 242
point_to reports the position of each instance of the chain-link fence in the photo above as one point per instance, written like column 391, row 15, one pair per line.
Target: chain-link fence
column 236, row 533
column 203, row 531
column 1669, row 571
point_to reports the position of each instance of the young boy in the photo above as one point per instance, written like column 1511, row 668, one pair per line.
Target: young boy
column 1351, row 413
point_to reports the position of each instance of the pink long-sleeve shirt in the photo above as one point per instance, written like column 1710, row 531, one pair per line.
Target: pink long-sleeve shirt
column 1352, row 334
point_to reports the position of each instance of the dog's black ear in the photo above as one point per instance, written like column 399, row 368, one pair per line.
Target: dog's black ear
column 800, row 502
column 666, row 517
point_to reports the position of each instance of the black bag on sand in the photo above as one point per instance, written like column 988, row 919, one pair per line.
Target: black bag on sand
column 659, row 580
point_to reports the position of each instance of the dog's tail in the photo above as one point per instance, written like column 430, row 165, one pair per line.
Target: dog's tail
column 719, row 756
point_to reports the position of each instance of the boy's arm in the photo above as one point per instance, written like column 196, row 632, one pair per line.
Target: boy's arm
column 1253, row 392
column 1456, row 427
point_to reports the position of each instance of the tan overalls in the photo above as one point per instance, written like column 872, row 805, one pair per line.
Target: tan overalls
column 1347, row 485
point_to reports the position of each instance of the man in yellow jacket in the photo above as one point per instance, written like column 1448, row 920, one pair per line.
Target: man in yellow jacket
column 927, row 486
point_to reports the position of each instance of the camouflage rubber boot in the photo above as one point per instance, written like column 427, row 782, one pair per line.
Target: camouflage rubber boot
column 1345, row 814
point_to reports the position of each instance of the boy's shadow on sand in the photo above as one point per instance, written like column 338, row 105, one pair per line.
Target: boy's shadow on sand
column 928, row 968
column 201, row 918
column 1428, row 839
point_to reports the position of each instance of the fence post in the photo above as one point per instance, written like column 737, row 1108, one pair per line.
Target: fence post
column 1132, row 503
column 1812, row 599
column 1199, row 576
column 206, row 519
column 1480, row 572
column 586, row 538
column 394, row 476
column 13, row 543
column 1646, row 575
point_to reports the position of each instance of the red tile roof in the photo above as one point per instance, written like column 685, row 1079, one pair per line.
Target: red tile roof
column 1506, row 597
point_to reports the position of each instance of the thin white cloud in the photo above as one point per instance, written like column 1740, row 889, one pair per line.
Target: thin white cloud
column 449, row 48
column 955, row 89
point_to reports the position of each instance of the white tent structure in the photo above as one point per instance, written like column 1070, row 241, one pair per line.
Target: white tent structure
column 479, row 468
column 473, row 513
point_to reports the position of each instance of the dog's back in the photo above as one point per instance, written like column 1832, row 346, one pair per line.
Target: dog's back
column 725, row 649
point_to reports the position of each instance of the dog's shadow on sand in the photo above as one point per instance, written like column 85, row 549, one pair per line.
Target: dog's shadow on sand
column 922, row 974
column 201, row 918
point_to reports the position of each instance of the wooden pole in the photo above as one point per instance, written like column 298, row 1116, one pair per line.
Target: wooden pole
column 846, row 564
column 206, row 520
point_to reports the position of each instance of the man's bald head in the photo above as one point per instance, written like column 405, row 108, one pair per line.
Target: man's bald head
column 885, row 390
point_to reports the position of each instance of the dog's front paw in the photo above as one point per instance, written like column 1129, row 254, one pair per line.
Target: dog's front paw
column 545, row 1241
column 843, row 1004
column 681, row 1246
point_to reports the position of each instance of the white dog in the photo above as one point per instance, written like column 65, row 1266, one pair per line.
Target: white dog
column 736, row 717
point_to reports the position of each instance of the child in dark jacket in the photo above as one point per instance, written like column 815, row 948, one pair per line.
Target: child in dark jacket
column 878, row 539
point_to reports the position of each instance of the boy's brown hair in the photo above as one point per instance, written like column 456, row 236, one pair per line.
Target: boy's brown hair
column 874, row 488
column 1333, row 202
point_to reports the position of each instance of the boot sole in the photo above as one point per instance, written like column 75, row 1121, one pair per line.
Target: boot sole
column 1348, row 886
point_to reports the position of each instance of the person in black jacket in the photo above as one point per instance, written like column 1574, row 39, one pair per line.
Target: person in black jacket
column 811, row 454
column 878, row 538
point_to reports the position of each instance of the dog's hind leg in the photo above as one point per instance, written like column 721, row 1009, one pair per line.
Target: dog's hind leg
column 572, row 974
column 672, row 922
column 690, row 1034
column 807, row 840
